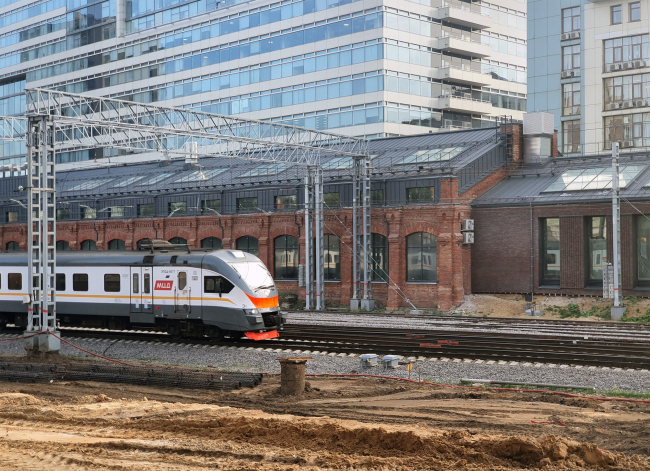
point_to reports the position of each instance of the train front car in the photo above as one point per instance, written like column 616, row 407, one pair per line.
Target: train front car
column 239, row 295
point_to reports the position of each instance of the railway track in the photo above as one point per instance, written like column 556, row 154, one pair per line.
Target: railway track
column 572, row 342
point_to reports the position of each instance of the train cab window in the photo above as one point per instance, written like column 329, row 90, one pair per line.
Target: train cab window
column 146, row 289
column 80, row 282
column 217, row 284
column 136, row 283
column 182, row 280
column 60, row 281
column 112, row 283
column 15, row 281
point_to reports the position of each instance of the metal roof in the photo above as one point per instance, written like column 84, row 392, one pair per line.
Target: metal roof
column 530, row 184
column 175, row 175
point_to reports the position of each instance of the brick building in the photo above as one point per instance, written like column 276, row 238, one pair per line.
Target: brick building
column 422, row 188
column 548, row 229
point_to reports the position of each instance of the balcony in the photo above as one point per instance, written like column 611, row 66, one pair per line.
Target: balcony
column 464, row 105
column 459, row 75
column 462, row 45
column 463, row 14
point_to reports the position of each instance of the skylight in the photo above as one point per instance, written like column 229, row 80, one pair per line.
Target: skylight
column 156, row 178
column 594, row 178
column 128, row 181
column 91, row 184
column 199, row 175
column 265, row 170
column 338, row 163
column 433, row 155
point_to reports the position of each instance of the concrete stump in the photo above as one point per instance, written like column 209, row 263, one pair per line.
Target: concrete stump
column 292, row 375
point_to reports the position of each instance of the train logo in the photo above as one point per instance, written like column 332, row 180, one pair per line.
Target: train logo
column 164, row 285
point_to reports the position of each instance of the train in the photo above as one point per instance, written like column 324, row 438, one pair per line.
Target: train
column 187, row 293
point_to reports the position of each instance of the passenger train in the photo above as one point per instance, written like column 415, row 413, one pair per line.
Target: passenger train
column 186, row 293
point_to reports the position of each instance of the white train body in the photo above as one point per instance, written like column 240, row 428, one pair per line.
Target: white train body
column 223, row 292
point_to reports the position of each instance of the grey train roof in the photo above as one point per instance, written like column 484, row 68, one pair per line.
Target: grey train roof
column 542, row 184
column 388, row 155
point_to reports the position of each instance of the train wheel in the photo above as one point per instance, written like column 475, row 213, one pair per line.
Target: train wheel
column 175, row 331
column 215, row 334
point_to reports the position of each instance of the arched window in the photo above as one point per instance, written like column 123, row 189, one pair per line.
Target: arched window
column 62, row 245
column 178, row 241
column 332, row 258
column 421, row 260
column 116, row 244
column 211, row 243
column 286, row 256
column 13, row 247
column 249, row 244
column 145, row 241
column 88, row 245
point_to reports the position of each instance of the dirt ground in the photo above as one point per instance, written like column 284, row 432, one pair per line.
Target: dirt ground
column 513, row 305
column 338, row 424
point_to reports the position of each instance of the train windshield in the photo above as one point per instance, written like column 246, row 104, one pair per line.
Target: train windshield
column 254, row 275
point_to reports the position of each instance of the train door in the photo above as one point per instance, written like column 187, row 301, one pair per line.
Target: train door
column 182, row 293
column 141, row 292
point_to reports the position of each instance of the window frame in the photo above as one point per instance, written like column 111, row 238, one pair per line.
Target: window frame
column 421, row 247
column 612, row 12
column 248, row 238
column 113, row 285
column 211, row 239
column 572, row 93
column 14, row 281
column 590, row 251
column 328, row 247
column 566, row 131
column 632, row 6
column 432, row 191
column 544, row 280
column 576, row 56
column 280, row 204
column 241, row 207
column 572, row 17
column 278, row 252
column 79, row 281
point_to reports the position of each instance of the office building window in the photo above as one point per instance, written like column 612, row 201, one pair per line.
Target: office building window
column 116, row 211
column 617, row 14
column 635, row 11
column 596, row 249
column 631, row 130
column 331, row 200
column 550, row 251
column 286, row 258
column 643, row 250
column 571, row 58
column 571, row 136
column 571, row 19
column 88, row 212
column 332, row 257
column 571, row 99
column 12, row 216
column 630, row 48
column 626, row 88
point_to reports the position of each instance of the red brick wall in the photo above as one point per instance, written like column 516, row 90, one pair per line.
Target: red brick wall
column 454, row 259
column 501, row 253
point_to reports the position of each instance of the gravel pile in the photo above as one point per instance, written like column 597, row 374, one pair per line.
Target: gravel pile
column 554, row 329
column 265, row 360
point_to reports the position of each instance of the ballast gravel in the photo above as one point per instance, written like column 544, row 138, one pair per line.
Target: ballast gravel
column 446, row 371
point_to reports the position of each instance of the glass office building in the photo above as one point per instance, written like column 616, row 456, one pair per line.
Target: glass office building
column 589, row 65
column 363, row 67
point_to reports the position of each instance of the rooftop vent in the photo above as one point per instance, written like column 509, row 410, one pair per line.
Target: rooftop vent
column 536, row 124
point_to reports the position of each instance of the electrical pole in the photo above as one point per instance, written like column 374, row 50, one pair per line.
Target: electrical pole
column 617, row 309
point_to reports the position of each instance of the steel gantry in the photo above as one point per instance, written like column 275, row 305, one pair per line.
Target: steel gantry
column 64, row 122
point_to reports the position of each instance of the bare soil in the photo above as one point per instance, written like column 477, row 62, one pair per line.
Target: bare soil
column 513, row 305
column 338, row 424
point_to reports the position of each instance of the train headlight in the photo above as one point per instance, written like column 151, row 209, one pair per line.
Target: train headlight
column 253, row 316
column 251, row 312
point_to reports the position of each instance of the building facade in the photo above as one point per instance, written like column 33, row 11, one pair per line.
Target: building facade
column 588, row 64
column 422, row 189
column 364, row 67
